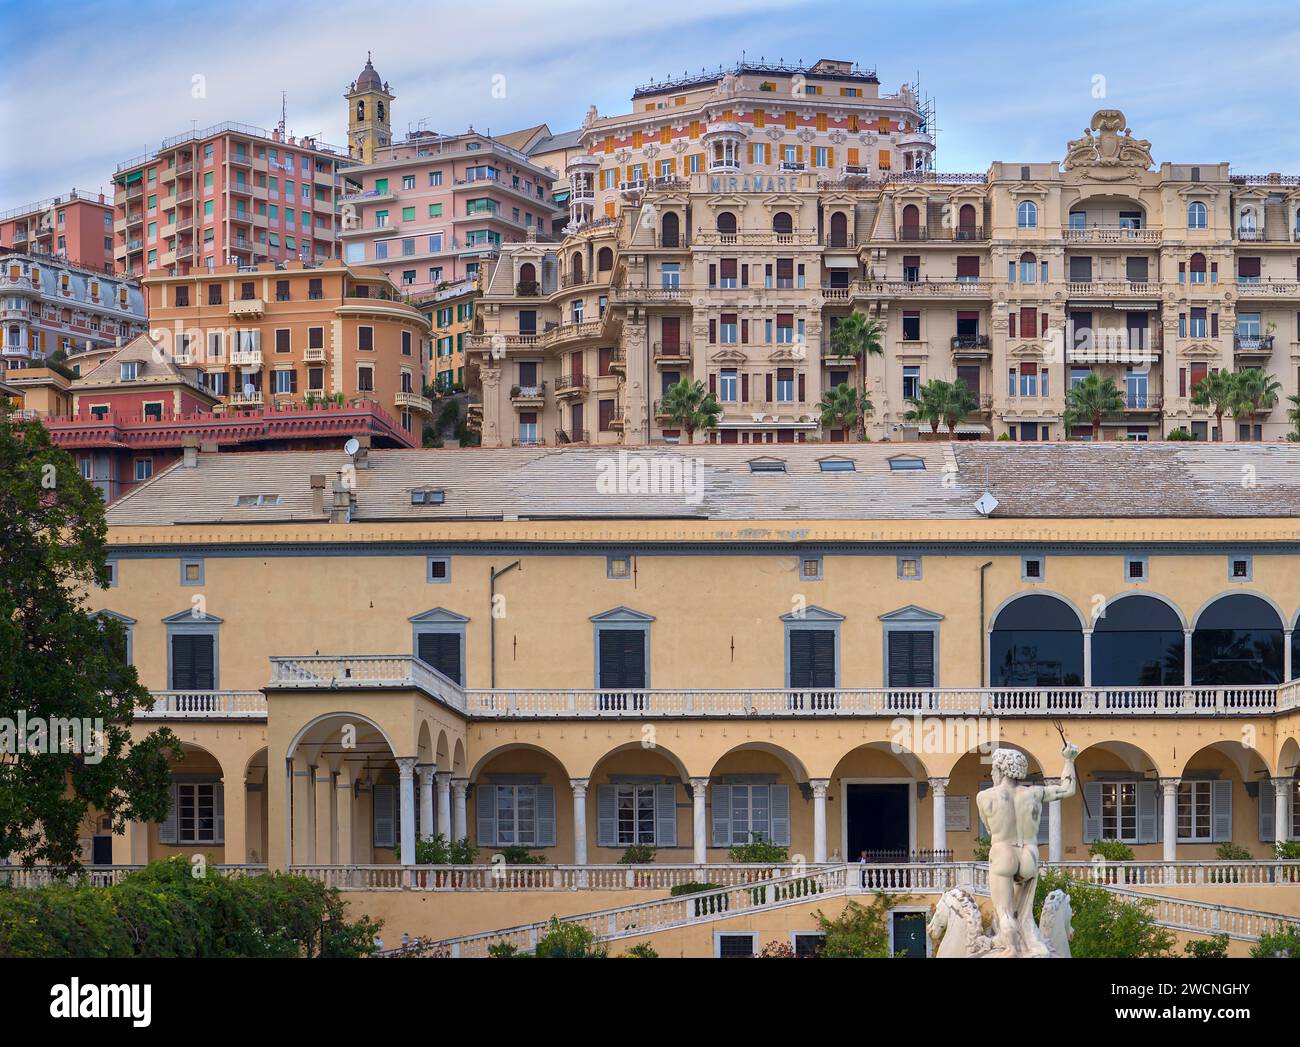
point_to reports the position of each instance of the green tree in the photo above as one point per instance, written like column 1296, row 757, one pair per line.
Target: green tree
column 1255, row 393
column 58, row 660
column 569, row 941
column 1217, row 391
column 1283, row 944
column 1090, row 399
column 858, row 337
column 859, row 932
column 692, row 407
column 1214, row 947
column 958, row 402
column 839, row 407
column 1106, row 926
column 930, row 405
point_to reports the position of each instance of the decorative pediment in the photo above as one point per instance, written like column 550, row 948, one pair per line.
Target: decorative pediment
column 812, row 614
column 728, row 356
column 1200, row 351
column 105, row 613
column 788, row 354
column 911, row 613
column 438, row 615
column 622, row 614
column 188, row 615
column 780, row 202
column 1197, row 190
column 728, row 201
column 1027, row 351
column 1108, row 143
column 1040, row 189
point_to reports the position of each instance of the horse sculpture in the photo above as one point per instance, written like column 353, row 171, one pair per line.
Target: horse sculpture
column 1054, row 923
column 957, row 931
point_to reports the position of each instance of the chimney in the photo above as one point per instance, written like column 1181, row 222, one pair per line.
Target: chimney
column 341, row 510
column 208, row 447
column 189, row 451
column 318, row 494
column 361, row 459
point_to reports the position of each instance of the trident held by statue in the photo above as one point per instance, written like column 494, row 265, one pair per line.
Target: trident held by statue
column 1064, row 742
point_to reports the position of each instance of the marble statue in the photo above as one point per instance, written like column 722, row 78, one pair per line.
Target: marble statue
column 1054, row 924
column 957, row 927
column 1011, row 810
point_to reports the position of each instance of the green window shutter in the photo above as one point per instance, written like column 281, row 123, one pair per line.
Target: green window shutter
column 1221, row 811
column 485, row 803
column 780, row 813
column 384, row 801
column 721, row 815
column 219, row 813
column 546, row 816
column 167, row 829
column 666, row 815
column 1092, row 812
column 606, row 816
column 1267, row 831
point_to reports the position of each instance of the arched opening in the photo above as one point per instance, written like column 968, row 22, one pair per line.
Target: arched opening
column 256, row 841
column 361, row 110
column 872, row 805
column 966, row 222
column 970, row 776
column 782, row 223
column 1224, row 795
column 527, row 277
column 1196, row 215
column 1036, row 641
column 196, row 818
column 671, row 230
column 1197, row 268
column 726, row 223
column 575, row 267
column 1027, row 215
column 521, row 797
column 1028, row 268
column 911, row 222
column 839, row 229
column 753, row 790
column 1118, row 797
column 1238, row 640
column 636, row 797
column 1138, row 642
column 604, row 260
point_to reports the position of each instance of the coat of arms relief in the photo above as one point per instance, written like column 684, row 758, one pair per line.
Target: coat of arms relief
column 1108, row 148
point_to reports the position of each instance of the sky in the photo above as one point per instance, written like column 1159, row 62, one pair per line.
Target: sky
column 95, row 84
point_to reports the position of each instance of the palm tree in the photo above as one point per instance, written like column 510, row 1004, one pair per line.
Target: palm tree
column 959, row 401
column 930, row 405
column 858, row 337
column 1256, row 393
column 840, row 406
column 691, row 406
column 1293, row 416
column 1216, row 391
column 1091, row 398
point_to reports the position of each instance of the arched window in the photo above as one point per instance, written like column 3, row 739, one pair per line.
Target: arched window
column 1027, row 215
column 782, row 222
column 840, row 229
column 911, row 222
column 605, row 260
column 1238, row 640
column 1197, row 268
column 1028, row 268
column 726, row 223
column 575, row 267
column 1037, row 641
column 1247, row 224
column 671, row 229
column 381, row 111
column 361, row 110
column 966, row 222
column 1138, row 642
column 528, row 278
column 1196, row 215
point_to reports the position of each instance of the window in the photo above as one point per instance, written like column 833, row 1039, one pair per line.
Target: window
column 192, row 652
column 191, row 572
column 810, row 568
column 427, row 497
column 282, row 340
column 1027, row 215
column 748, row 811
column 618, row 567
column 511, row 814
column 636, row 813
column 1135, row 569
column 1196, row 215
column 1195, row 804
column 365, row 379
column 837, row 465
column 143, row 468
column 130, row 371
column 767, row 465
column 1119, row 811
column 1031, row 568
column 1240, row 568
column 909, row 568
column 250, row 501
column 911, row 385
column 904, row 464
column 732, row 946
column 365, row 339
column 197, row 814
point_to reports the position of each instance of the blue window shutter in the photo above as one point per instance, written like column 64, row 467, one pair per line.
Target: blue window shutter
column 721, row 815
column 1092, row 812
column 546, row 816
column 219, row 811
column 1267, row 830
column 666, row 815
column 167, row 830
column 606, row 816
column 384, row 801
column 1221, row 810
column 1044, row 822
column 780, row 808
column 485, row 807
column 1147, row 811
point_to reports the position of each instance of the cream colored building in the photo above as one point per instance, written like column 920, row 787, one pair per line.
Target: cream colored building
column 733, row 270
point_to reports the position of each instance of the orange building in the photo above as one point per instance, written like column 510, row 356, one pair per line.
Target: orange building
column 77, row 227
column 295, row 333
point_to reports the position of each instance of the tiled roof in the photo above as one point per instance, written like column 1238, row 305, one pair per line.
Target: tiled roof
column 154, row 366
column 1029, row 480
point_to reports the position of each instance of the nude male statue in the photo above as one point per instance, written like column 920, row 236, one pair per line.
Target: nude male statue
column 1012, row 810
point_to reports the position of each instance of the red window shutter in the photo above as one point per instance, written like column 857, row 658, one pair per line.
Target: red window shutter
column 744, row 331
column 1011, row 325
column 1028, row 323
column 728, row 269
column 1043, row 325
column 802, row 387
column 1182, row 381
column 1248, row 267
column 713, row 331
column 744, row 388
column 1199, row 372
column 744, row 276
column 1028, row 368
column 713, row 384
column 575, row 366
column 968, row 267
column 911, row 261
column 1214, row 325
column 768, row 376
column 713, row 276
column 785, row 319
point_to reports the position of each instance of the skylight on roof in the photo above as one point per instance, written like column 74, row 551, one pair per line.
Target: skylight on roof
column 249, row 501
column 906, row 465
column 767, row 465
column 837, row 465
column 427, row 497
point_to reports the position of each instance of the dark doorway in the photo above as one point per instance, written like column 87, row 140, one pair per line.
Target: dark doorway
column 877, row 817
column 101, row 850
column 909, row 934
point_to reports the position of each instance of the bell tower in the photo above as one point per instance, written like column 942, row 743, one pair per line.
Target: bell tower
column 369, row 114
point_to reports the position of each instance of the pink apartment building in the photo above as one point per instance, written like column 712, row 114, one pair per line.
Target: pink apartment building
column 76, row 227
column 226, row 195
column 432, row 208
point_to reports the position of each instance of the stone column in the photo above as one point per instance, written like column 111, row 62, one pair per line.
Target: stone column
column 1054, row 846
column 326, row 822
column 699, row 822
column 425, row 771
column 309, row 854
column 343, row 812
column 459, row 787
column 1282, row 808
column 1087, row 658
column 303, row 845
column 579, row 787
column 939, row 790
column 819, row 787
column 1187, row 655
column 444, row 803
column 1169, row 818
column 1286, row 654
column 406, row 800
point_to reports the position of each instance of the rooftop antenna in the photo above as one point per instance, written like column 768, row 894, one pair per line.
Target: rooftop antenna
column 986, row 503
column 284, row 99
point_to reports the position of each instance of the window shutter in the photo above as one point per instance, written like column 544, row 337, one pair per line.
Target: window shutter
column 384, row 795
column 622, row 658
column 721, row 815
column 666, row 815
column 830, row 157
column 744, row 332
column 442, row 651
column 606, row 816
column 713, row 384
column 911, row 658
column 1221, row 811
column 219, row 811
column 744, row 388
column 768, row 378
column 485, row 812
column 780, row 808
column 1148, row 820
column 167, row 830
column 803, row 388
column 546, row 816
column 1267, row 831
column 1092, row 812
column 1044, row 826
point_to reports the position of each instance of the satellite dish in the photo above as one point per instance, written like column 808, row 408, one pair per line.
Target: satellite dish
column 986, row 504
column 351, row 447
column 249, row 389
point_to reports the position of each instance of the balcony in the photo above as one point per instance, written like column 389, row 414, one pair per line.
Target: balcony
column 314, row 356
column 1143, row 403
column 1111, row 234
column 755, row 237
column 528, row 397
column 615, row 420
column 963, row 289
column 242, row 399
column 373, row 672
column 569, row 387
column 573, row 332
column 1252, row 345
column 1255, row 235
column 673, row 355
column 971, row 345
column 410, row 401
column 246, row 358
column 205, row 705
column 967, row 233
column 528, row 441
column 1113, row 289
column 1269, row 289
column 247, row 308
column 648, row 295
column 913, row 233
column 618, row 362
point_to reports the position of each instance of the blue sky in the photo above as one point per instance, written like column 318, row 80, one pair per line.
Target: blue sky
column 90, row 86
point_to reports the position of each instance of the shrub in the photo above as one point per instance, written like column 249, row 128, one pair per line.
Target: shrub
column 1111, row 850
column 502, row 951
column 1105, row 925
column 1285, row 944
column 703, row 906
column 1288, row 849
column 777, row 950
column 638, row 854
column 759, row 852
column 644, row 951
column 517, row 855
column 1230, row 852
column 436, row 850
column 1179, row 434
column 982, row 845
column 860, row 931
column 1212, row 948
column 568, row 941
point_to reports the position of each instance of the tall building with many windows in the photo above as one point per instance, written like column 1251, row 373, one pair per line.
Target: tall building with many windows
column 76, row 227
column 226, row 194
column 731, row 254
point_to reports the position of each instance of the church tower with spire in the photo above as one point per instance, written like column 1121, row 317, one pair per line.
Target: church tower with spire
column 369, row 114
